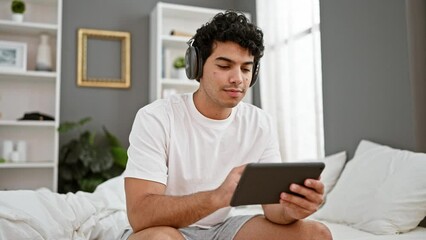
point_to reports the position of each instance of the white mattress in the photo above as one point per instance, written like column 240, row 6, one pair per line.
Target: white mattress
column 343, row 232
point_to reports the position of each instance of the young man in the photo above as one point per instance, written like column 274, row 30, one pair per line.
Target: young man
column 187, row 152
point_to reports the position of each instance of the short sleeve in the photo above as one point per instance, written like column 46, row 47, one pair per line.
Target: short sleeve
column 149, row 140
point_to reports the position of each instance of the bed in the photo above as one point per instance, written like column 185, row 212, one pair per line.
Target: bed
column 389, row 207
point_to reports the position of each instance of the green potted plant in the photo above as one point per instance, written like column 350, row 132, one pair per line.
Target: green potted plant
column 88, row 159
column 179, row 65
column 18, row 9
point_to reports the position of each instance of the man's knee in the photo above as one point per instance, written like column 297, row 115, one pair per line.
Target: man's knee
column 157, row 233
column 321, row 232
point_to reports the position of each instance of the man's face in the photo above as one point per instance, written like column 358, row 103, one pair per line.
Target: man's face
column 227, row 74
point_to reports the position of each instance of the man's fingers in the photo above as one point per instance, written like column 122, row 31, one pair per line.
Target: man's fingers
column 316, row 185
column 311, row 196
column 240, row 169
column 301, row 203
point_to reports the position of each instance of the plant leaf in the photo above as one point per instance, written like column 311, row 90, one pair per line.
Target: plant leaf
column 78, row 170
column 112, row 140
column 90, row 184
column 102, row 162
column 66, row 187
column 73, row 154
column 87, row 155
column 120, row 156
column 66, row 127
column 65, row 173
column 84, row 121
column 114, row 171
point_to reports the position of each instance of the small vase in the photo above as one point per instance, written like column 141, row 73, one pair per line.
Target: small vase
column 44, row 55
column 182, row 74
column 18, row 17
column 7, row 149
column 22, row 150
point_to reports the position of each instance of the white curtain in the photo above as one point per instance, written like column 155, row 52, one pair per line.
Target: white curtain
column 290, row 77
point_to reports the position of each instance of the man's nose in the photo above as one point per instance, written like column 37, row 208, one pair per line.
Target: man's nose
column 237, row 76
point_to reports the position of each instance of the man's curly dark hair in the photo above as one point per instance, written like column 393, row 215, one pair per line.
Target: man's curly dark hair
column 229, row 26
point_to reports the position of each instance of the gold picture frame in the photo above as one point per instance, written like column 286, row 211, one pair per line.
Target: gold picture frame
column 82, row 77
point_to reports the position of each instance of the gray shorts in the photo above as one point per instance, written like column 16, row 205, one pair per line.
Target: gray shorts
column 225, row 230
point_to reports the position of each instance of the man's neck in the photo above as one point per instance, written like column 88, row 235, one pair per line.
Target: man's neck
column 208, row 109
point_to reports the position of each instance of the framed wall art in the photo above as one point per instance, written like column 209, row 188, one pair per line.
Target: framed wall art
column 103, row 58
column 13, row 56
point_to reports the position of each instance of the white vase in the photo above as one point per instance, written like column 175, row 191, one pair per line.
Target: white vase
column 18, row 17
column 44, row 54
column 22, row 150
column 7, row 149
column 14, row 157
column 182, row 74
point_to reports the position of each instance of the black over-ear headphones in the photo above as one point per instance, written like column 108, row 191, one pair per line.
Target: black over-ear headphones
column 194, row 64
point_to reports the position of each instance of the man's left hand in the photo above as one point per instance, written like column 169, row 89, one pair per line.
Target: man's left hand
column 297, row 207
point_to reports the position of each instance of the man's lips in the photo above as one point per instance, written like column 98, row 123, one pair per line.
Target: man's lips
column 234, row 92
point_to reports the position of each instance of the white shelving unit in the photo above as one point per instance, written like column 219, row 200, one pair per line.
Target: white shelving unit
column 165, row 47
column 31, row 91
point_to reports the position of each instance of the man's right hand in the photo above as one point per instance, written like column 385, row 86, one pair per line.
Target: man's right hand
column 227, row 188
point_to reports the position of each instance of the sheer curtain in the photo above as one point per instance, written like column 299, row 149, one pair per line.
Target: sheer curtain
column 290, row 77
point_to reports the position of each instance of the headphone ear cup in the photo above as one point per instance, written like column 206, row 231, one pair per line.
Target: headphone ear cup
column 199, row 65
column 193, row 63
column 255, row 73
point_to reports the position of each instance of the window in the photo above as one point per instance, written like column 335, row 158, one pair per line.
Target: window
column 290, row 76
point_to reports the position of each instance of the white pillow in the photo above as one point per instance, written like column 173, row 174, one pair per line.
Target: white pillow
column 381, row 190
column 333, row 167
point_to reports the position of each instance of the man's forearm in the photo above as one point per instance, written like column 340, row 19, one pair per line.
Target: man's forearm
column 174, row 211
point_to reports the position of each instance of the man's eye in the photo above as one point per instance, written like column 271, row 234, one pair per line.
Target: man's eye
column 223, row 66
column 246, row 70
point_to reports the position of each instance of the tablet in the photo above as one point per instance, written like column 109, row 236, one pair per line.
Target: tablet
column 262, row 183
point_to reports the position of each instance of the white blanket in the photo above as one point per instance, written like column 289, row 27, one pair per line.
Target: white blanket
column 42, row 214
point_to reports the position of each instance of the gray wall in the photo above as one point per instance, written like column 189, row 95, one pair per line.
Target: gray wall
column 366, row 85
column 113, row 108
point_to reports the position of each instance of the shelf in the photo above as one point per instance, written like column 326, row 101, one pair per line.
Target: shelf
column 8, row 26
column 165, row 48
column 27, row 123
column 28, row 90
column 45, row 164
column 28, row 75
column 189, row 13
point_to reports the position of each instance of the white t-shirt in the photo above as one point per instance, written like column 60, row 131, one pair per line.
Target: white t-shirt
column 174, row 144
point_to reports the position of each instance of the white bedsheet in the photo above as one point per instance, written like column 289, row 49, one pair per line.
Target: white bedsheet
column 42, row 214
